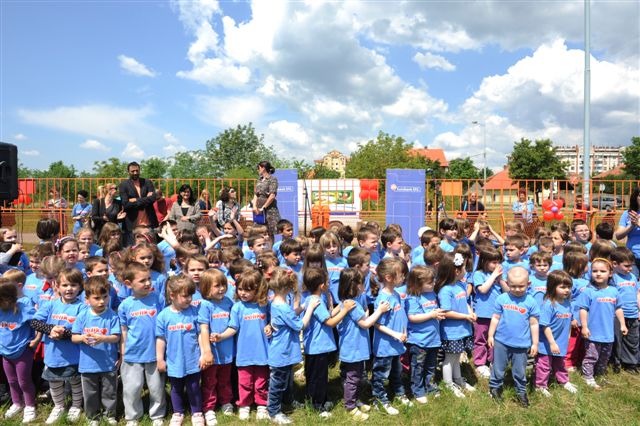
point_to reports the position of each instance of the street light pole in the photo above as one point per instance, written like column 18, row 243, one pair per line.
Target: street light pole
column 484, row 155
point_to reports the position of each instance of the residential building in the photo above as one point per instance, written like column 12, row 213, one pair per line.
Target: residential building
column 601, row 158
column 335, row 160
column 433, row 154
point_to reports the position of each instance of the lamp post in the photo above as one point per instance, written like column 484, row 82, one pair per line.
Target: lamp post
column 484, row 156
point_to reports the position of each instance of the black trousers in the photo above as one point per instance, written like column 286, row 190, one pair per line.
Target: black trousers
column 625, row 348
column 316, row 373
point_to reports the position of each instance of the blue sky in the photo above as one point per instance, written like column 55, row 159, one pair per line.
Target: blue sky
column 84, row 81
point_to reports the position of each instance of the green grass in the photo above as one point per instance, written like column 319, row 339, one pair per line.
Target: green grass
column 618, row 403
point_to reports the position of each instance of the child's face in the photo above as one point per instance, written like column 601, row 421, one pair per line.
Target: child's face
column 140, row 238
column 11, row 236
column 292, row 258
column 510, row 232
column 622, row 268
column 68, row 291
column 370, row 244
column 563, row 291
column 600, row 274
column 100, row 270
column 114, row 235
column 83, row 254
column 512, row 252
column 428, row 286
column 246, row 295
column 287, row 232
column 69, row 252
column 85, row 237
column 581, row 233
column 450, row 234
column 396, row 246
column 541, row 267
column 181, row 300
column 435, row 240
column 518, row 288
column 492, row 265
column 228, row 229
column 141, row 284
column 218, row 290
column 194, row 270
column 98, row 302
column 202, row 234
column 364, row 268
column 34, row 263
column 331, row 251
column 485, row 233
column 557, row 240
column 259, row 245
column 145, row 257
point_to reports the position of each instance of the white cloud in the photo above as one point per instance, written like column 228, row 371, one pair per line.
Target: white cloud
column 230, row 111
column 19, row 137
column 133, row 152
column 217, row 72
column 429, row 60
column 415, row 104
column 173, row 146
column 286, row 134
column 94, row 145
column 132, row 66
column 30, row 152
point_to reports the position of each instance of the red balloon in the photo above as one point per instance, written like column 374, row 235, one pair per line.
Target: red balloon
column 559, row 216
column 547, row 204
column 365, row 184
column 374, row 195
column 548, row 216
column 373, row 184
column 364, row 195
column 22, row 199
column 559, row 203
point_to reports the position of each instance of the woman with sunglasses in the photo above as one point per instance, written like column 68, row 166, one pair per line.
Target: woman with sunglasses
column 106, row 208
column 227, row 208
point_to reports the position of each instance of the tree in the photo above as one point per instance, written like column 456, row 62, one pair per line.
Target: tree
column 110, row 168
column 372, row 159
column 154, row 168
column 462, row 168
column 631, row 158
column 188, row 164
column 322, row 172
column 537, row 160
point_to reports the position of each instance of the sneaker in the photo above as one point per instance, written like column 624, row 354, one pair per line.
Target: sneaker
column 244, row 413
column 281, row 419
column 484, row 371
column 389, row 409
column 592, row 384
column 570, row 387
column 496, row 394
column 176, row 419
column 55, row 415
column 29, row 414
column 358, row 415
column 155, row 422
column 524, row 400
column 262, row 413
column 544, row 392
column 421, row 400
column 111, row 421
column 328, row 406
column 197, row 419
column 94, row 423
column 135, row 422
column 74, row 414
column 13, row 411
column 297, row 405
column 455, row 389
column 466, row 386
column 363, row 407
column 299, row 374
column 227, row 409
column 325, row 414
column 210, row 418
column 405, row 401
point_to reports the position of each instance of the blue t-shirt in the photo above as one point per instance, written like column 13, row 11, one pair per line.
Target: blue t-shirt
column 216, row 315
column 601, row 305
column 31, row 287
column 102, row 357
column 318, row 337
column 556, row 316
column 579, row 285
column 628, row 289
column 425, row 334
column 168, row 254
column 354, row 340
column 121, row 289
column 180, row 331
column 485, row 302
column 538, row 288
column 250, row 319
column 15, row 330
column 633, row 237
column 60, row 353
column 448, row 246
column 334, row 267
column 514, row 329
column 453, row 297
column 508, row 264
column 158, row 283
column 284, row 348
column 395, row 319
column 196, row 299
column 139, row 316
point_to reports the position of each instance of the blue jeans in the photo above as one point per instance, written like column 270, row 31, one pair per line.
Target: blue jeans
column 386, row 368
column 279, row 379
column 423, row 368
column 502, row 354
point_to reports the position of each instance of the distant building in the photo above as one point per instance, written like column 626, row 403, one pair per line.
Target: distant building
column 601, row 158
column 335, row 160
column 433, row 154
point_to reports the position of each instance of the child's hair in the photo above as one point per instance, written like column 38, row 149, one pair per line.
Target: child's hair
column 447, row 271
column 555, row 280
column 389, row 235
column 132, row 269
column 144, row 232
column 395, row 227
column 600, row 248
column 93, row 261
column 483, row 244
column 283, row 280
column 541, row 232
column 515, row 240
column 51, row 266
column 540, row 256
column 490, row 254
column 86, row 230
column 603, row 261
column 258, row 229
column 604, row 230
column 282, row 223
column 64, row 241
column 314, row 254
column 72, row 275
column 314, row 278
column 84, row 247
column 575, row 263
column 97, row 286
column 229, row 254
column 214, row 256
column 231, row 241
column 447, row 224
column 112, row 246
column 350, row 283
column 238, row 266
column 462, row 224
column 417, row 277
column 46, row 229
column 158, row 259
column 433, row 255
column 365, row 231
column 466, row 252
column 345, row 234
column 574, row 246
column 41, row 251
column 117, row 264
column 187, row 249
column 560, row 226
column 180, row 284
column 328, row 239
column 388, row 267
column 317, row 233
column 105, row 232
column 575, row 223
column 252, row 280
column 189, row 236
column 426, row 237
column 289, row 246
column 8, row 295
column 15, row 275
column 304, row 242
column 358, row 256
column 253, row 238
column 514, row 225
column 622, row 255
column 208, row 279
column 195, row 258
column 545, row 242
column 266, row 260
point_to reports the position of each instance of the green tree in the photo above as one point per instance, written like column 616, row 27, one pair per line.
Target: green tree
column 154, row 168
column 462, row 168
column 188, row 164
column 322, row 172
column 631, row 158
column 535, row 160
column 110, row 168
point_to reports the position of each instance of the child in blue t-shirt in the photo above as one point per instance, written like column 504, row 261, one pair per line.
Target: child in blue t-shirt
column 213, row 317
column 449, row 234
column 599, row 304
column 193, row 267
column 389, row 335
column 150, row 256
column 513, row 335
column 54, row 319
column 539, row 264
column 248, row 320
column 284, row 348
column 555, row 325
column 178, row 351
column 575, row 264
column 137, row 315
column 97, row 331
column 514, row 249
column 424, row 331
column 354, row 338
column 334, row 261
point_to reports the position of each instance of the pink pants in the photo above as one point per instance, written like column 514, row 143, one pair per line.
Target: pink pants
column 482, row 353
column 253, row 385
column 545, row 365
column 216, row 386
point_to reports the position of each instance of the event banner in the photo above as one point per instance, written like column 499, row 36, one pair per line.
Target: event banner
column 288, row 197
column 405, row 201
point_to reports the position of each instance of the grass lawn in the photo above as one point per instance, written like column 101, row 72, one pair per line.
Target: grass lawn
column 618, row 403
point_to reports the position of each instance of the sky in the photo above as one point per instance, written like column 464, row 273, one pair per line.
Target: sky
column 82, row 81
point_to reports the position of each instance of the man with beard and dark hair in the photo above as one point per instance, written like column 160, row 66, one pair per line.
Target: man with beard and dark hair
column 137, row 195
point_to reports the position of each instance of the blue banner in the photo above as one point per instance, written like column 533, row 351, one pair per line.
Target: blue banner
column 288, row 197
column 405, row 202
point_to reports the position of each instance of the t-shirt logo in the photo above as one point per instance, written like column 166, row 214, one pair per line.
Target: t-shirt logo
column 64, row 317
column 220, row 315
column 95, row 330
column 515, row 308
column 255, row 317
column 607, row 300
column 429, row 303
column 563, row 316
column 143, row 312
column 196, row 302
column 180, row 326
column 461, row 295
column 10, row 325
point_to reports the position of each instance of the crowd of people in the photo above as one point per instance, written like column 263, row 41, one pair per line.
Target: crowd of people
column 228, row 316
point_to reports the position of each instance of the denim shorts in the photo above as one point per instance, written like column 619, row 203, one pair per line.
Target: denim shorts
column 59, row 374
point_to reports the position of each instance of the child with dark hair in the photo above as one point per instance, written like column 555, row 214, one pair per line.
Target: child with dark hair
column 449, row 234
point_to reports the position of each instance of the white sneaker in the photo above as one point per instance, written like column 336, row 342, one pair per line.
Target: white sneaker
column 358, row 415
column 111, row 421
column 544, row 391
column 55, row 415
column 455, row 389
column 325, row 414
column 389, row 409
column 484, row 371
column 13, row 411
column 281, row 419
column 176, row 419
column 155, row 422
column 592, row 384
column 74, row 414
column 244, row 413
column 570, row 387
column 262, row 413
column 363, row 407
column 210, row 418
column 135, row 422
column 466, row 386
column 421, row 400
column 405, row 401
column 227, row 409
column 29, row 414
column 94, row 423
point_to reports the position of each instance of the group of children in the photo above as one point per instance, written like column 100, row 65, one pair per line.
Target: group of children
column 226, row 320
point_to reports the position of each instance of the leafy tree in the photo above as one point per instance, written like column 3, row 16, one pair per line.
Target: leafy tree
column 112, row 167
column 154, row 168
column 322, row 172
column 462, row 168
column 631, row 158
column 188, row 164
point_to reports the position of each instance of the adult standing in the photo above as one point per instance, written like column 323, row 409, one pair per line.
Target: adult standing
column 81, row 211
column 227, row 207
column 629, row 225
column 57, row 206
column 204, row 202
column 473, row 208
column 107, row 207
column 264, row 199
column 523, row 209
column 185, row 211
column 137, row 195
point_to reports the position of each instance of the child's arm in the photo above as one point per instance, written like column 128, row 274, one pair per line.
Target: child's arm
column 36, row 340
column 495, row 320
column 347, row 305
column 623, row 324
column 383, row 307
column 497, row 236
column 395, row 334
column 555, row 349
column 161, row 346
column 535, row 335
column 488, row 284
column 434, row 314
column 459, row 316
column 312, row 305
column 218, row 337
column 584, row 319
column 206, row 357
column 56, row 332
column 105, row 338
column 297, row 307
column 474, row 234
column 238, row 227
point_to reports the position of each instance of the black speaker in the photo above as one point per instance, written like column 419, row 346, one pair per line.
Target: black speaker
column 8, row 172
